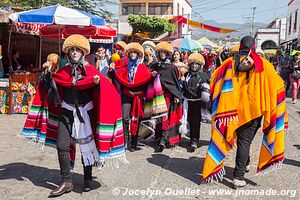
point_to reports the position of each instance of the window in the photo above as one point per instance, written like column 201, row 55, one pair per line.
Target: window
column 160, row 9
column 133, row 8
column 178, row 9
column 295, row 22
column 290, row 25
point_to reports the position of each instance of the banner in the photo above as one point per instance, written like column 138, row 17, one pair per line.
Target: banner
column 208, row 27
column 183, row 20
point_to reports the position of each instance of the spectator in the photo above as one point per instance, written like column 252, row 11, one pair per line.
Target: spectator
column 285, row 70
column 295, row 77
column 103, row 60
column 15, row 62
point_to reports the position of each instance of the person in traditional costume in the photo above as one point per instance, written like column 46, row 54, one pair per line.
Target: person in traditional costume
column 149, row 49
column 131, row 80
column 245, row 89
column 222, row 57
column 77, row 104
column 168, row 130
column 209, row 60
column 119, row 49
column 193, row 88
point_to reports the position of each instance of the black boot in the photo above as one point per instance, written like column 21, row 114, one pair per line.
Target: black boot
column 127, row 138
column 133, row 144
column 87, row 184
column 162, row 145
column 193, row 145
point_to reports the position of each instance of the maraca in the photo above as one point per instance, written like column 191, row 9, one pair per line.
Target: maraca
column 52, row 62
column 115, row 57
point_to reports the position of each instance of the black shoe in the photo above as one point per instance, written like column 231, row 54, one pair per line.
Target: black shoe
column 87, row 185
column 133, row 148
column 64, row 187
column 161, row 148
column 162, row 145
column 194, row 145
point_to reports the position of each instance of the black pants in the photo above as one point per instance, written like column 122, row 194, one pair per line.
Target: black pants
column 126, row 108
column 285, row 75
column 194, row 119
column 245, row 136
column 63, row 145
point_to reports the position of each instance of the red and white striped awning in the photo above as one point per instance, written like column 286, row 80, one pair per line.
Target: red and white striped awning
column 63, row 31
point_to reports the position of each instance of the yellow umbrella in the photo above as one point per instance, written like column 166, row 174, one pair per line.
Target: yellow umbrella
column 206, row 42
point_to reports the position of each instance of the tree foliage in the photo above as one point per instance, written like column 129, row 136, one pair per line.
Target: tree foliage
column 153, row 25
column 96, row 7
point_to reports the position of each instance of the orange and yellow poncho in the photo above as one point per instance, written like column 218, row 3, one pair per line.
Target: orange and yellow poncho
column 236, row 101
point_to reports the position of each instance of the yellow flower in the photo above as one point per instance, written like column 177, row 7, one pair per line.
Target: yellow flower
column 4, row 109
column 25, row 109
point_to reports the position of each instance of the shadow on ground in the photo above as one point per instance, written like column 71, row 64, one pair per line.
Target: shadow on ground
column 291, row 162
column 184, row 143
column 40, row 176
column 190, row 168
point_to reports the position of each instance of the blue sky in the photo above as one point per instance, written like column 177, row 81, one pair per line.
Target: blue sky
column 236, row 10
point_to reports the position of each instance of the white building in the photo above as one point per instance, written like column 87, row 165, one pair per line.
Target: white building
column 157, row 8
column 267, row 38
column 271, row 36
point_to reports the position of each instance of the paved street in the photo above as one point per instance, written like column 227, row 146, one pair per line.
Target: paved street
column 27, row 173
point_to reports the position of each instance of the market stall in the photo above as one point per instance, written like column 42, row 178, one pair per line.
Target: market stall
column 17, row 92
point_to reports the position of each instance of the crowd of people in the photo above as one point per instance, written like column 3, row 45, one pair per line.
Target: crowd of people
column 165, row 91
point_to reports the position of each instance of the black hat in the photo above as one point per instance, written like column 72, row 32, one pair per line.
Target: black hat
column 247, row 43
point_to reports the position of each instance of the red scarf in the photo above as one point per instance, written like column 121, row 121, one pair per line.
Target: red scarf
column 142, row 77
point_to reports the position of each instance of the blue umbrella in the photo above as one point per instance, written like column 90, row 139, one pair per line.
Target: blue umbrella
column 58, row 15
column 184, row 44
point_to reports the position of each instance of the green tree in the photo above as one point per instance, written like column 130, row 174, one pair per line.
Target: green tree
column 96, row 7
column 153, row 25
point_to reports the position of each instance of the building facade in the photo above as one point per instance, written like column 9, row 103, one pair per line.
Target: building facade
column 272, row 36
column 293, row 25
column 159, row 8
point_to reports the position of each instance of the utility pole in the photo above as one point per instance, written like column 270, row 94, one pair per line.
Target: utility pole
column 252, row 25
column 251, row 21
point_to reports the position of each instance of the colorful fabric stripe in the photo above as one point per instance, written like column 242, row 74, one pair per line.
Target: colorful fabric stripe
column 42, row 121
column 215, row 152
column 227, row 90
column 227, row 86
